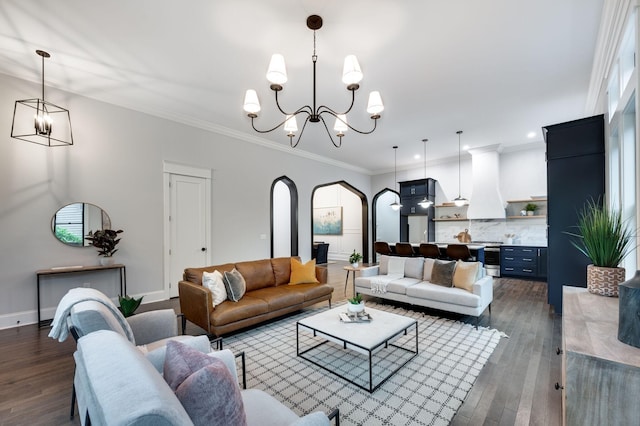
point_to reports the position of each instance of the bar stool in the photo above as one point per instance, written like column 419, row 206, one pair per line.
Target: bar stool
column 382, row 247
column 429, row 250
column 404, row 249
column 458, row 252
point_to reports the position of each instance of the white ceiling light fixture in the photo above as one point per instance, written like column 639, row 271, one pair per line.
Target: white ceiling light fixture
column 425, row 203
column 395, row 205
column 459, row 201
column 34, row 119
column 277, row 76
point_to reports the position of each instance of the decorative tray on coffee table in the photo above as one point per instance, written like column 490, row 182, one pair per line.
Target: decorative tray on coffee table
column 355, row 317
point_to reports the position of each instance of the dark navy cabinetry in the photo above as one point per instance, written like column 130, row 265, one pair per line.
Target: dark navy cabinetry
column 411, row 193
column 575, row 174
column 523, row 261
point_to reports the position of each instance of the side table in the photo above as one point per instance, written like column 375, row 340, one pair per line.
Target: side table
column 349, row 269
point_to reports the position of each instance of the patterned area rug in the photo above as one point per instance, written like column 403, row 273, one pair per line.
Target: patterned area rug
column 427, row 391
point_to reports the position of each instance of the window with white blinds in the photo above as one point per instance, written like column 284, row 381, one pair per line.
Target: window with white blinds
column 69, row 224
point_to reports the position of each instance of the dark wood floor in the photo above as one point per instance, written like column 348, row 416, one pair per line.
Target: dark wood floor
column 515, row 387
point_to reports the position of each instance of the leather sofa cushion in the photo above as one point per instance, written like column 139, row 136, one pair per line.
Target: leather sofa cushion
column 247, row 307
column 311, row 291
column 257, row 274
column 194, row 275
column 282, row 269
column 278, row 297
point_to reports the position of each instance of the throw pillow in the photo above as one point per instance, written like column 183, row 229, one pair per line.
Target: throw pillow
column 235, row 285
column 414, row 267
column 384, row 264
column 204, row 386
column 181, row 361
column 215, row 283
column 303, row 273
column 465, row 275
column 428, row 267
column 442, row 272
column 396, row 266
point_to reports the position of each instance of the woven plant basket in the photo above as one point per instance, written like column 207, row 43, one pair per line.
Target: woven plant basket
column 604, row 281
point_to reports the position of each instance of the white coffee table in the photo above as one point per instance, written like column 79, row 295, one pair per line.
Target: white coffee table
column 366, row 338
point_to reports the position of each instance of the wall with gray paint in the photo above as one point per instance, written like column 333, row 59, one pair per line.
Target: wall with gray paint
column 117, row 164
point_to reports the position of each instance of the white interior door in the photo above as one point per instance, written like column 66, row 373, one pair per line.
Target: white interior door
column 188, row 226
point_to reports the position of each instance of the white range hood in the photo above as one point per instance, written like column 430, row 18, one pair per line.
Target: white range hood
column 486, row 201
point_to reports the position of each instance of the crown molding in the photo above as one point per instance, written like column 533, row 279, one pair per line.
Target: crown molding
column 615, row 16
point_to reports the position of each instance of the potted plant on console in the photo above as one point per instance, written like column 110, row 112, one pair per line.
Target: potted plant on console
column 356, row 304
column 605, row 238
column 105, row 240
column 355, row 258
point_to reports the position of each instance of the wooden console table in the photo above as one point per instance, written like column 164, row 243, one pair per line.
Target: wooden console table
column 601, row 375
column 77, row 269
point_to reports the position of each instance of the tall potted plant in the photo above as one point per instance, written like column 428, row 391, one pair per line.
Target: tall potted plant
column 605, row 238
column 105, row 240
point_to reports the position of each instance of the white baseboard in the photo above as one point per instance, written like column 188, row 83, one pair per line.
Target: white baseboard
column 18, row 319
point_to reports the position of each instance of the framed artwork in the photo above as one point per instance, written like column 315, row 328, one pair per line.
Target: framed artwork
column 327, row 221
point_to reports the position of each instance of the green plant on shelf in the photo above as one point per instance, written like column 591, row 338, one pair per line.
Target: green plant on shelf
column 530, row 207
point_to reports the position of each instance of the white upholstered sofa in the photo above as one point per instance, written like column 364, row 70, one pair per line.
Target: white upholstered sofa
column 409, row 280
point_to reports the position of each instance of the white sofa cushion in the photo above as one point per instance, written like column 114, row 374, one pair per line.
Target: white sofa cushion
column 457, row 296
column 396, row 266
column 392, row 265
column 400, row 285
column 413, row 267
column 384, row 264
column 428, row 267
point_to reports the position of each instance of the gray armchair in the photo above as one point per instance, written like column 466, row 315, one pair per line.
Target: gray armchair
column 150, row 331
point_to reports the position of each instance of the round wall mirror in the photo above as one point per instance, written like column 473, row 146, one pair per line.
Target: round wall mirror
column 73, row 222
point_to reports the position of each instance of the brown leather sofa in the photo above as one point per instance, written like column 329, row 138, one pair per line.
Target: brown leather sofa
column 268, row 295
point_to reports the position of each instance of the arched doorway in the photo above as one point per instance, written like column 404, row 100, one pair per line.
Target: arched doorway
column 364, row 214
column 284, row 218
column 384, row 220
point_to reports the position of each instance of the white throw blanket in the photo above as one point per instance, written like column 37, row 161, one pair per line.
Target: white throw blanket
column 59, row 328
column 379, row 283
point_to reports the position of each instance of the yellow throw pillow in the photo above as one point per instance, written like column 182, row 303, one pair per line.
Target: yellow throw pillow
column 465, row 275
column 301, row 274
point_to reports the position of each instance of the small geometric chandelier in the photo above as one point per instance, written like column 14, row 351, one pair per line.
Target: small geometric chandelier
column 41, row 122
column 395, row 205
column 277, row 76
column 459, row 201
column 425, row 203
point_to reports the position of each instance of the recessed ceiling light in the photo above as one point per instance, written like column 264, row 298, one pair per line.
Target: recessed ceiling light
column 531, row 135
column 416, row 157
column 465, row 147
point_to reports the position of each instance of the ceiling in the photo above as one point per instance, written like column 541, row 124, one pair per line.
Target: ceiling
column 496, row 69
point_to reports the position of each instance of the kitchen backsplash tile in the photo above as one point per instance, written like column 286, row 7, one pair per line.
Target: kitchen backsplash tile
column 527, row 231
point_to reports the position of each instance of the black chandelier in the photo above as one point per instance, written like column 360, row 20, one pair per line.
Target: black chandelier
column 277, row 76
column 39, row 121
